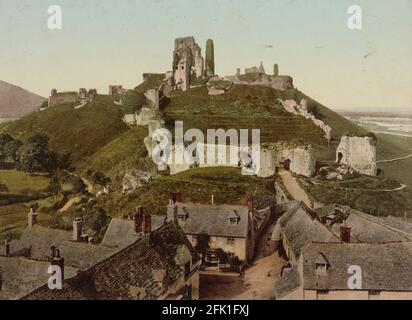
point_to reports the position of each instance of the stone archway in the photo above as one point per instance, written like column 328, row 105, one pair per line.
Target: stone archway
column 286, row 164
column 340, row 156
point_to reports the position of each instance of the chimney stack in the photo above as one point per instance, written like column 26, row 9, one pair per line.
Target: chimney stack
column 77, row 229
column 6, row 248
column 138, row 219
column 345, row 233
column 147, row 224
column 32, row 218
column 250, row 203
column 57, row 260
column 175, row 197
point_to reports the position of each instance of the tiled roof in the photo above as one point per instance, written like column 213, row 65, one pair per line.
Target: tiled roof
column 288, row 283
column 214, row 219
column 129, row 270
column 385, row 267
column 367, row 228
column 20, row 276
column 301, row 227
column 77, row 254
column 121, row 232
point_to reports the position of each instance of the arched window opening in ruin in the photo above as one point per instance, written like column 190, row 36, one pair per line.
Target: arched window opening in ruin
column 286, row 164
column 340, row 156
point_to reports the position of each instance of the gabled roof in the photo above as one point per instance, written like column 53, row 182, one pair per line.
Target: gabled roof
column 121, row 232
column 385, row 267
column 301, row 227
column 288, row 283
column 214, row 219
column 38, row 241
column 130, row 270
column 19, row 276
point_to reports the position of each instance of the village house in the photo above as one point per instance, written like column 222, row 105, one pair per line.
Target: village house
column 160, row 265
column 322, row 272
column 234, row 229
column 167, row 269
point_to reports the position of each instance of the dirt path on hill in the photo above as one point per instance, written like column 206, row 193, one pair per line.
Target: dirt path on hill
column 395, row 159
column 69, row 203
column 293, row 187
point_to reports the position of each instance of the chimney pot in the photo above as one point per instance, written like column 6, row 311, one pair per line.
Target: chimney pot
column 32, row 217
column 345, row 233
column 7, row 247
column 147, row 224
column 176, row 197
column 138, row 219
column 77, row 229
column 250, row 203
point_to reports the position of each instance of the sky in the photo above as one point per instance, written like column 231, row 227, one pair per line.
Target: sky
column 106, row 42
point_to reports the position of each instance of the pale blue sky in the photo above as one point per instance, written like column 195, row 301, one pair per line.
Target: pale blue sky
column 107, row 41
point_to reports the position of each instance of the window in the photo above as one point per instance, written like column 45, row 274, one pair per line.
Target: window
column 374, row 293
column 231, row 241
column 187, row 268
column 233, row 221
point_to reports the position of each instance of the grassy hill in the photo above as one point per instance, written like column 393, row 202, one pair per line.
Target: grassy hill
column 79, row 133
column 227, row 185
column 126, row 151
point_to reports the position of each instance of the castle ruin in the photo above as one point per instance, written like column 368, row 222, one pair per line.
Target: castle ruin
column 187, row 62
column 359, row 153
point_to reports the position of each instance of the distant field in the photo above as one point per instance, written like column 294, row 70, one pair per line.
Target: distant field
column 18, row 182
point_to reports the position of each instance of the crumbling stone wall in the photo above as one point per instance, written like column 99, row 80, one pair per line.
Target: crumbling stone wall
column 301, row 158
column 302, row 109
column 359, row 153
column 278, row 82
column 152, row 97
column 61, row 98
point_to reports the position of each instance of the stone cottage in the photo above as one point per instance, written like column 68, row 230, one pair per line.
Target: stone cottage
column 324, row 269
column 234, row 229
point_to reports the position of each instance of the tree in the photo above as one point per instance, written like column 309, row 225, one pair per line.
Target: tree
column 34, row 155
column 210, row 58
column 275, row 69
column 202, row 244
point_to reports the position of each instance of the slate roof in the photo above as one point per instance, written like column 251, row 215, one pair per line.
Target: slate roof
column 288, row 283
column 367, row 228
column 20, row 276
column 39, row 239
column 385, row 267
column 121, row 234
column 302, row 227
column 214, row 219
column 128, row 269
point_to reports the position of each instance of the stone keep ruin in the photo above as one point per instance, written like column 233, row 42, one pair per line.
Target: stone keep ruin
column 300, row 160
column 187, row 62
column 359, row 153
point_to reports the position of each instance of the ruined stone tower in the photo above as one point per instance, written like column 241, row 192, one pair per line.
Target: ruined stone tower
column 187, row 62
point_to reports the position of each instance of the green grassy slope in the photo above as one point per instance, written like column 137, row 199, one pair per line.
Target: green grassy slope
column 78, row 132
column 126, row 151
column 198, row 185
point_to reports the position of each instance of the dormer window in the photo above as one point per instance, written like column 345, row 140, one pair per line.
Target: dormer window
column 321, row 265
column 234, row 219
column 184, row 215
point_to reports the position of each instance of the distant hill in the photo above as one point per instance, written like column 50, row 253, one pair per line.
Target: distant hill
column 16, row 102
